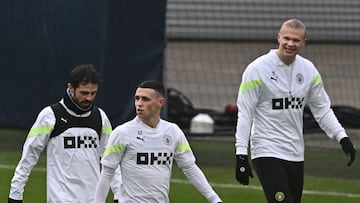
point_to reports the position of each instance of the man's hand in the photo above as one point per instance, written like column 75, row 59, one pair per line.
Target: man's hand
column 14, row 201
column 348, row 148
column 243, row 169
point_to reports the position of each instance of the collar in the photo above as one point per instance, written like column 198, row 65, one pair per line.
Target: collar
column 279, row 62
column 73, row 105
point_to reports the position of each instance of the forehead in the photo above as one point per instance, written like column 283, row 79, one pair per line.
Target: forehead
column 292, row 32
column 145, row 92
column 90, row 87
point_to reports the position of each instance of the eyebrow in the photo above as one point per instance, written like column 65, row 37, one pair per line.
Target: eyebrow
column 138, row 97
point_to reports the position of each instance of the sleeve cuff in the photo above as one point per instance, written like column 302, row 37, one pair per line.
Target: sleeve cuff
column 242, row 150
column 341, row 135
column 16, row 197
column 214, row 198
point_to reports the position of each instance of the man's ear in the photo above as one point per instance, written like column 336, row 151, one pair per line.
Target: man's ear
column 70, row 88
column 278, row 37
column 162, row 101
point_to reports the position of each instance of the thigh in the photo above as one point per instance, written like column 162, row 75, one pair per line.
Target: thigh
column 274, row 179
column 296, row 179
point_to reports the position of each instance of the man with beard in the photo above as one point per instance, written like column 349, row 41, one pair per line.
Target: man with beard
column 74, row 132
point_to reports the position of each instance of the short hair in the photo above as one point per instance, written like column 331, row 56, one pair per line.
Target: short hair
column 294, row 24
column 155, row 85
column 84, row 74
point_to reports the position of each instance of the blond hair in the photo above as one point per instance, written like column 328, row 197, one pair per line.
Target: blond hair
column 294, row 24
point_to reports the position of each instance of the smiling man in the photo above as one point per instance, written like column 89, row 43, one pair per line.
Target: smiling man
column 273, row 93
column 291, row 39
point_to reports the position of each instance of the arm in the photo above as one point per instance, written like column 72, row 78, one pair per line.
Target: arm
column 320, row 106
column 112, row 156
column 247, row 99
column 106, row 131
column 116, row 183
column 35, row 143
column 198, row 179
column 185, row 159
column 103, row 186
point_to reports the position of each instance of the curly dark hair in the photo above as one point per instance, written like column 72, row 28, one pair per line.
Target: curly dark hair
column 84, row 74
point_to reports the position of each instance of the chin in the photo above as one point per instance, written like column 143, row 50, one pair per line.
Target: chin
column 85, row 106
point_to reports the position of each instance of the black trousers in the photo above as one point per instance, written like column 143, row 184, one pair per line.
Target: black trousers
column 282, row 181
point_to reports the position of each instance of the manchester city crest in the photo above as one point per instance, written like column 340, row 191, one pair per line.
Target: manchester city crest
column 299, row 79
column 167, row 140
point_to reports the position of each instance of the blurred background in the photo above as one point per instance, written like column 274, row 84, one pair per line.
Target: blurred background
column 198, row 48
column 211, row 42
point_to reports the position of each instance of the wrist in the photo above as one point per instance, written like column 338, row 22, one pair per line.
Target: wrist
column 10, row 200
column 340, row 136
column 214, row 198
column 241, row 150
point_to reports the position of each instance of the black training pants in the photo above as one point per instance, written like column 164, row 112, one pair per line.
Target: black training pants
column 282, row 181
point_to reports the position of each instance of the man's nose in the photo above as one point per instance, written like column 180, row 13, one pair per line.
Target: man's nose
column 90, row 97
column 139, row 102
column 291, row 42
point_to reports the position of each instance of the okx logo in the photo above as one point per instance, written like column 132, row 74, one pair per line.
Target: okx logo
column 80, row 142
column 287, row 103
column 159, row 158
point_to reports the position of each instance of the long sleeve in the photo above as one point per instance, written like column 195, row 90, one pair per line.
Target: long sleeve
column 320, row 106
column 198, row 179
column 248, row 97
column 103, row 186
column 116, row 183
column 106, row 131
column 35, row 143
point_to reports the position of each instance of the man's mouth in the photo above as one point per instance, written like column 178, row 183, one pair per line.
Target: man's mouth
column 289, row 49
column 85, row 104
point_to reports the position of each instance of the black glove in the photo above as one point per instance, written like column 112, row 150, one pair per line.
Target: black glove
column 348, row 148
column 14, row 201
column 243, row 169
column 116, row 201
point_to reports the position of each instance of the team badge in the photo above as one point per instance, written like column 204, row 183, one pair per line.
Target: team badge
column 299, row 79
column 167, row 140
column 274, row 76
column 280, row 196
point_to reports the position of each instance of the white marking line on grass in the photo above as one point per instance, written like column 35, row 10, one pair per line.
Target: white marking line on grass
column 251, row 187
column 13, row 168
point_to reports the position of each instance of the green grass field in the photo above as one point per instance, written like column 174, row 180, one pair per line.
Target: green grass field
column 327, row 179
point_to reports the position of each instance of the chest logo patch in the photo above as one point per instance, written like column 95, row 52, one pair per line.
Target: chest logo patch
column 299, row 78
column 167, row 139
column 274, row 76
